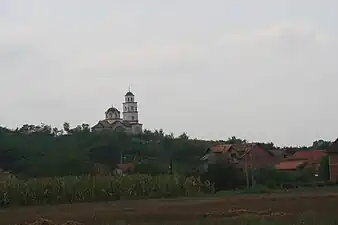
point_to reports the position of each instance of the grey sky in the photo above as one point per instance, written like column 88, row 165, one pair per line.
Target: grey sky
column 262, row 70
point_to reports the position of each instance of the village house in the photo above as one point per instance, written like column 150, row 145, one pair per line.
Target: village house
column 332, row 153
column 220, row 154
column 281, row 153
column 258, row 157
column 124, row 168
column 240, row 155
column 308, row 159
column 105, row 170
column 99, row 169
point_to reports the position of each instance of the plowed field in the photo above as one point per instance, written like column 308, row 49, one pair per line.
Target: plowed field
column 181, row 211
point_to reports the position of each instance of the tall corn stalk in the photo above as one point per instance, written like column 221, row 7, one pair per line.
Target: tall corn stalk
column 101, row 188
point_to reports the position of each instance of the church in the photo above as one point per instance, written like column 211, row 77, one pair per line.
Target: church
column 129, row 123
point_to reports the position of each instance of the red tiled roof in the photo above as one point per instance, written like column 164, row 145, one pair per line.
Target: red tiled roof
column 126, row 167
column 290, row 165
column 313, row 155
column 221, row 148
column 242, row 149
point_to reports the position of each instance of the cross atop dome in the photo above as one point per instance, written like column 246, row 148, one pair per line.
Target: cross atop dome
column 129, row 93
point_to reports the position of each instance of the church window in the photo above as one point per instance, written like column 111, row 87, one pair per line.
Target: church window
column 132, row 107
column 132, row 118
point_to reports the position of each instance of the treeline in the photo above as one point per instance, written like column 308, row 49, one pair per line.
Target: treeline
column 40, row 151
column 43, row 151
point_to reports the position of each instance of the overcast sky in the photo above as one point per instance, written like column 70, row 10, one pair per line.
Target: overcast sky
column 264, row 70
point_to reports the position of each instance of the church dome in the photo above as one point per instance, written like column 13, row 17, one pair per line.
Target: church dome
column 112, row 113
column 129, row 93
column 112, row 109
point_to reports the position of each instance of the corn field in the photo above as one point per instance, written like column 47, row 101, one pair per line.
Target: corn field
column 15, row 192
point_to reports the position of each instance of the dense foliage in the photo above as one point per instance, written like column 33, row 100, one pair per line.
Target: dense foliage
column 224, row 177
column 40, row 151
column 324, row 171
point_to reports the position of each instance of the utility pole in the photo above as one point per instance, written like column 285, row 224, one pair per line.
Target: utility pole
column 252, row 170
column 122, row 157
column 246, row 169
column 171, row 166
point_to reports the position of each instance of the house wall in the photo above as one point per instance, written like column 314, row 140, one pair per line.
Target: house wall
column 263, row 158
column 100, row 169
column 205, row 166
column 258, row 158
column 212, row 158
column 222, row 158
column 215, row 158
column 333, row 165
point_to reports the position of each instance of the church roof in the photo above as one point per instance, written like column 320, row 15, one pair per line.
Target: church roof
column 112, row 109
column 106, row 124
column 126, row 123
column 129, row 93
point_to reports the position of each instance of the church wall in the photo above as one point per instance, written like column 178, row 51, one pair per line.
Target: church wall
column 137, row 128
column 120, row 125
column 130, row 107
column 130, row 116
column 129, row 98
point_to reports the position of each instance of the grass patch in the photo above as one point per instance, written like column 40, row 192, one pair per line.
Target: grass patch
column 258, row 189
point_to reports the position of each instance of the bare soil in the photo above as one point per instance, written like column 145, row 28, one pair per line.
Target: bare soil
column 184, row 210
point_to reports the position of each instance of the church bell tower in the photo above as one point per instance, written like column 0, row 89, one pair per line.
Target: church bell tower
column 130, row 112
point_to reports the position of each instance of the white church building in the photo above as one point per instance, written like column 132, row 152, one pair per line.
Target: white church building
column 129, row 123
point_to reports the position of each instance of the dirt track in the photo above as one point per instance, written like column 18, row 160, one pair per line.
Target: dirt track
column 276, row 205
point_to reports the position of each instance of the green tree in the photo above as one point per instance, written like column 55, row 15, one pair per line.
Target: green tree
column 235, row 140
column 324, row 170
column 320, row 145
column 224, row 176
column 35, row 151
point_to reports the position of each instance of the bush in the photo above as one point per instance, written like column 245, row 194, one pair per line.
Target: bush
column 88, row 188
column 324, row 170
column 224, row 177
column 150, row 168
column 273, row 178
